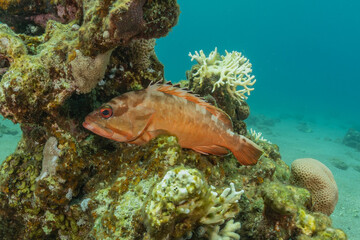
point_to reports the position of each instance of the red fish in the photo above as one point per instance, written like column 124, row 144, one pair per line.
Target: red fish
column 139, row 116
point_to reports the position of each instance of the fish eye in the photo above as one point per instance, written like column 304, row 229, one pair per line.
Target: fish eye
column 106, row 111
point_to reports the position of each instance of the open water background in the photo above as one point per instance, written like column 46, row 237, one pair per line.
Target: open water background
column 305, row 54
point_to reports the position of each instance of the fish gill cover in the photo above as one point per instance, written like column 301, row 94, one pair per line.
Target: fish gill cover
column 61, row 59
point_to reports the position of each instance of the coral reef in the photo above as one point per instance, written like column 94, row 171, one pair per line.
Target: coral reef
column 257, row 136
column 179, row 197
column 52, row 78
column 103, row 197
column 228, row 232
column 318, row 179
column 223, row 81
column 182, row 199
column 338, row 163
column 61, row 59
column 88, row 71
column 233, row 70
column 44, row 71
column 31, row 16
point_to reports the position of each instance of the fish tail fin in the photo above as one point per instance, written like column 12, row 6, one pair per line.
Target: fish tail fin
column 246, row 151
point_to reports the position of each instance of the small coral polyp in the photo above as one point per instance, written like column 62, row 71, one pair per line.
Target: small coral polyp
column 233, row 71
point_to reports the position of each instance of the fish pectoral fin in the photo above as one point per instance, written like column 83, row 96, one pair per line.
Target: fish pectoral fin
column 146, row 136
column 211, row 149
column 141, row 124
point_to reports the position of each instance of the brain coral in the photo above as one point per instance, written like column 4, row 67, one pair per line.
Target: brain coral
column 318, row 179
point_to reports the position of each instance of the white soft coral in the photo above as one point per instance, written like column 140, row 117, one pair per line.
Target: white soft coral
column 233, row 71
column 228, row 232
column 224, row 209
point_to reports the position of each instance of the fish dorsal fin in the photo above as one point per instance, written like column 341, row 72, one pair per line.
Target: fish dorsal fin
column 170, row 89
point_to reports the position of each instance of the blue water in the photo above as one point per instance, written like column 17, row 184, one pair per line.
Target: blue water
column 305, row 54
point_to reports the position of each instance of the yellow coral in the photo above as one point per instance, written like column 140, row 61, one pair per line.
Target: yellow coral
column 306, row 222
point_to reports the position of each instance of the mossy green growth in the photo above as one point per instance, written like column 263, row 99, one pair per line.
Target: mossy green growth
column 11, row 45
column 37, row 76
column 284, row 199
column 180, row 198
column 331, row 234
column 108, row 24
column 328, row 234
column 316, row 226
column 306, row 222
column 116, row 207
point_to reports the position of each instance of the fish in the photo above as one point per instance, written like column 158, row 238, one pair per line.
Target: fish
column 136, row 117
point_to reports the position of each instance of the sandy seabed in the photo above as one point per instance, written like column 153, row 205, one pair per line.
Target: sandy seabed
column 297, row 137
column 321, row 138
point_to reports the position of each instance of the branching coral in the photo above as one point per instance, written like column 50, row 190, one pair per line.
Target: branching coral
column 222, row 207
column 232, row 71
column 182, row 199
column 228, row 232
column 257, row 136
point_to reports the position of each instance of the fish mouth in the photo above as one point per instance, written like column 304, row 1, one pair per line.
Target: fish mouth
column 97, row 129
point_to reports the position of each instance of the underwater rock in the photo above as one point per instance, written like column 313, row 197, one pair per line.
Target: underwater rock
column 31, row 16
column 6, row 130
column 304, row 127
column 356, row 168
column 318, row 179
column 339, row 164
column 104, row 197
column 285, row 200
column 44, row 71
column 352, row 139
column 88, row 71
column 124, row 20
column 263, row 121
